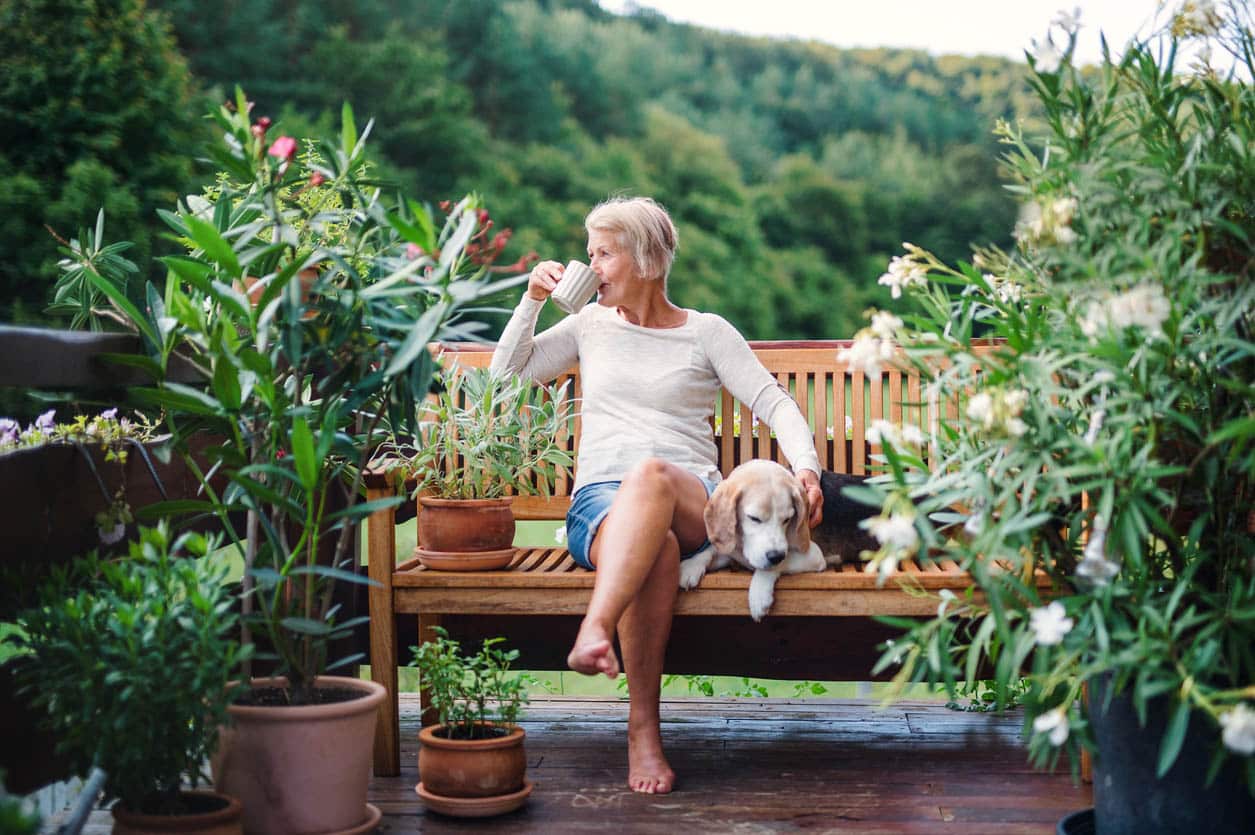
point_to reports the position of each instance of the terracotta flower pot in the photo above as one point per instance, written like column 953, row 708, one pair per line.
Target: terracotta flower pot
column 302, row 769
column 472, row 777
column 221, row 816
column 254, row 288
column 465, row 534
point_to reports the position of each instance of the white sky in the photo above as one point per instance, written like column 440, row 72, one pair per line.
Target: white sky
column 965, row 27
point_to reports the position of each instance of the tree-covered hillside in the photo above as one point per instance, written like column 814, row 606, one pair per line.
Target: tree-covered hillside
column 794, row 169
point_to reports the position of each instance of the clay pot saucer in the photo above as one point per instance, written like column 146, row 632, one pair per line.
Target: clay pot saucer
column 465, row 560
column 474, row 807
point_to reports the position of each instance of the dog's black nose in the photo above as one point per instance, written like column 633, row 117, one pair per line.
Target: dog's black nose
column 775, row 557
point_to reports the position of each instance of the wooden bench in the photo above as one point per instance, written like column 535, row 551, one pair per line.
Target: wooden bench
column 820, row 626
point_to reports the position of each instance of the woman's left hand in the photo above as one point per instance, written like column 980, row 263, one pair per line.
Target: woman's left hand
column 814, row 495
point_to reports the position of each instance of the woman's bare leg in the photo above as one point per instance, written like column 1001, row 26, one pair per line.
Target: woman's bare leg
column 643, row 633
column 656, row 514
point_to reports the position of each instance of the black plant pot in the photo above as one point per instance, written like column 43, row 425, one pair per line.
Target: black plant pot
column 1130, row 800
column 1077, row 823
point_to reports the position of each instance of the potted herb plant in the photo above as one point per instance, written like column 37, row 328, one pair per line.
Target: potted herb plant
column 483, row 439
column 472, row 763
column 130, row 661
column 292, row 389
column 1109, row 444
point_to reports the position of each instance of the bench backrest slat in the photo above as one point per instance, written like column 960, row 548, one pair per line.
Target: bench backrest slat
column 827, row 392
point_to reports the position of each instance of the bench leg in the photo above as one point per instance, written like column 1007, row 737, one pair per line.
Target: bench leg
column 426, row 625
column 381, row 555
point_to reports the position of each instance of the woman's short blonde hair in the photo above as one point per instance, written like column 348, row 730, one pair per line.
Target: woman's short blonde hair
column 641, row 226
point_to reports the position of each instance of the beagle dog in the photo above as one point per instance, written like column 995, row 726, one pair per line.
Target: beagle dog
column 757, row 518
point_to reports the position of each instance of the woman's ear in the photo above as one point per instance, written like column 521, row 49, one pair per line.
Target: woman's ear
column 799, row 528
column 722, row 525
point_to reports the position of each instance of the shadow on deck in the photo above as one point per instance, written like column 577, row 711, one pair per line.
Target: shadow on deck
column 763, row 767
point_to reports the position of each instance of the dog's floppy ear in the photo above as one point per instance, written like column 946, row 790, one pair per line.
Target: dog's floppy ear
column 799, row 528
column 722, row 525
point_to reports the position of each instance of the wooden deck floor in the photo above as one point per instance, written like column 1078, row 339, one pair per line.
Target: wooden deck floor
column 755, row 768
column 764, row 767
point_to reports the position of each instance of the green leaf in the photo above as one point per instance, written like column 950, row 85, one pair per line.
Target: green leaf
column 226, row 384
column 348, row 130
column 1173, row 737
column 303, row 453
column 176, row 397
column 305, row 626
column 146, row 364
column 416, row 342
column 216, row 248
column 119, row 299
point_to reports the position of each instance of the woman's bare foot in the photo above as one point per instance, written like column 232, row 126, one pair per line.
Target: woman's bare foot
column 648, row 770
column 593, row 653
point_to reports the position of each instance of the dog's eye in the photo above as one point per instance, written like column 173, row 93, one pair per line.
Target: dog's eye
column 754, row 519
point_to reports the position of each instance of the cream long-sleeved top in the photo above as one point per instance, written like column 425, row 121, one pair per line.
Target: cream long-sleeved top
column 650, row 392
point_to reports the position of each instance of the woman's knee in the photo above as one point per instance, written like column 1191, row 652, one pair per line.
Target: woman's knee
column 654, row 474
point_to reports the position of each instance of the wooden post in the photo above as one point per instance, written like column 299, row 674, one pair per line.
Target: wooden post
column 381, row 560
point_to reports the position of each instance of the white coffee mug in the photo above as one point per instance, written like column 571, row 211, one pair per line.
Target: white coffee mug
column 575, row 288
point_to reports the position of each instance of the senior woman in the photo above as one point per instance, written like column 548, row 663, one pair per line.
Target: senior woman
column 650, row 373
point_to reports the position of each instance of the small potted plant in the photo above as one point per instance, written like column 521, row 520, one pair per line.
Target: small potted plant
column 130, row 660
column 472, row 762
column 486, row 438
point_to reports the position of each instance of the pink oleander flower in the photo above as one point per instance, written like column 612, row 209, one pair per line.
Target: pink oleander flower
column 283, row 148
column 412, row 251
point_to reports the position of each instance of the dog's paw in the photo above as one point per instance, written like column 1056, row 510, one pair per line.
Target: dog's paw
column 762, row 594
column 692, row 571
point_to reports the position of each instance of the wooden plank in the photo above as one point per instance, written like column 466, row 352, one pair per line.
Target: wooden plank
column 895, row 396
column 858, row 466
column 820, row 417
column 727, row 437
column 784, row 378
column 745, row 437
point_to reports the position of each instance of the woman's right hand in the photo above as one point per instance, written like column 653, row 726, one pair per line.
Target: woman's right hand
column 544, row 278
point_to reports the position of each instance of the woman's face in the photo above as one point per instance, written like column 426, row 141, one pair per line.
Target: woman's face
column 613, row 265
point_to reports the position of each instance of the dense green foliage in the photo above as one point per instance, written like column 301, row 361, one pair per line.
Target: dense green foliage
column 134, row 657
column 793, row 169
column 94, row 111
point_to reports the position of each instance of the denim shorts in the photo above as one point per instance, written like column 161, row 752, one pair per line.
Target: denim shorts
column 589, row 507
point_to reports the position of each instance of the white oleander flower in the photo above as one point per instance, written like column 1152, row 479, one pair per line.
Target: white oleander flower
column 896, row 532
column 1015, row 427
column 975, row 524
column 1095, row 424
column 867, row 353
column 882, row 432
column 883, row 565
column 1055, row 723
column 1069, row 22
column 1050, row 623
column 559, row 536
column 885, row 325
column 1094, row 565
column 1144, row 306
column 912, row 434
column 903, row 273
column 1046, row 58
column 946, row 597
column 981, row 409
column 109, row 536
column 1239, row 729
column 1007, row 291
